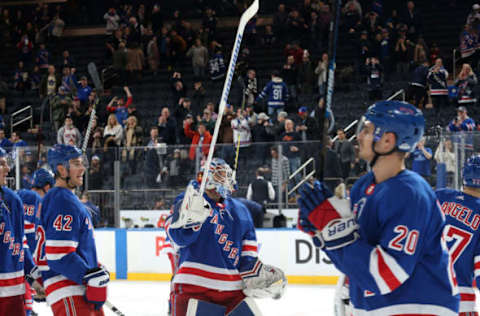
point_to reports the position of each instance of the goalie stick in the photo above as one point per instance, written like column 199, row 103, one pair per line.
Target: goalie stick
column 114, row 309
column 246, row 16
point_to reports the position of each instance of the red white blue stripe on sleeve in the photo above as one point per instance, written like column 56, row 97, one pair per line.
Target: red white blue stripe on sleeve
column 12, row 284
column 386, row 271
column 249, row 248
column 57, row 249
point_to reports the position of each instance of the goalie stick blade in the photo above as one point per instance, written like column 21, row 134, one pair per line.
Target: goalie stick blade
column 92, row 70
column 246, row 16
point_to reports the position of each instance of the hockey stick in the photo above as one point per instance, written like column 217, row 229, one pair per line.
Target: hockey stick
column 246, row 16
column 114, row 309
column 92, row 70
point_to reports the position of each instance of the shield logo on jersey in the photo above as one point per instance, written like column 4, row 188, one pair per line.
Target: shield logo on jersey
column 358, row 207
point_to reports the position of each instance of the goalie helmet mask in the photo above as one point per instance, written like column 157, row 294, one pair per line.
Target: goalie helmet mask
column 471, row 172
column 401, row 118
column 220, row 178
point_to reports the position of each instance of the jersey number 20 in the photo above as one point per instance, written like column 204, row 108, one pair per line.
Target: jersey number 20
column 405, row 240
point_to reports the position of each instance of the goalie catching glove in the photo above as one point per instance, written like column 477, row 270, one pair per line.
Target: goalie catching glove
column 328, row 219
column 264, row 281
column 192, row 211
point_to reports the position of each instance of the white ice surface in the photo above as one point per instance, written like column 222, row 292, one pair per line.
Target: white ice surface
column 142, row 298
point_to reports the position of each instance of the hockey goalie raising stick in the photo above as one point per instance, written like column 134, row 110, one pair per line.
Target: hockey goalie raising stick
column 219, row 270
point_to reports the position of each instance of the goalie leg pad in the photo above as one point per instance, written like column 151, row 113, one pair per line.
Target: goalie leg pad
column 247, row 307
column 203, row 308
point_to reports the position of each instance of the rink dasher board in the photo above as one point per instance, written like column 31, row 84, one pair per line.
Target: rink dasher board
column 140, row 254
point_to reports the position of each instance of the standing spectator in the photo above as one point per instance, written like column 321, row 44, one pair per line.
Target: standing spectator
column 242, row 136
column 199, row 54
column 386, row 52
column 308, row 126
column 374, row 72
column 418, row 86
column 68, row 81
column 280, row 169
column 25, row 47
column 152, row 160
column 120, row 107
column 182, row 112
column 465, row 83
column 437, row 79
column 332, row 167
column 462, row 122
column 268, row 38
column 67, row 60
column 401, row 56
column 446, row 155
column 226, row 135
column 198, row 97
column 157, row 18
column 291, row 146
column 352, row 12
column 167, row 127
column 112, row 19
column 178, row 47
column 35, row 78
column 290, row 76
column 133, row 138
column 42, row 58
column 207, row 120
column 280, row 22
column 413, row 20
column 57, row 26
column 260, row 190
column 21, row 80
column 83, row 89
column 344, row 149
column 421, row 158
column 262, row 134
column 135, row 62
column 362, row 47
column 209, row 23
column 251, row 88
column 201, row 139
column 473, row 17
column 95, row 174
column 153, row 55
column 68, row 134
column 50, row 83
column 276, row 92
column 216, row 65
column 120, row 61
column 420, row 52
column 305, row 74
column 321, row 72
column 60, row 104
column 113, row 132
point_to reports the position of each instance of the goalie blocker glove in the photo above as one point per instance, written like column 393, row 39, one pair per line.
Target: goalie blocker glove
column 326, row 218
column 192, row 211
column 96, row 281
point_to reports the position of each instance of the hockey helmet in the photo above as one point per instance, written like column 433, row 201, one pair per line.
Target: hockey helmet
column 220, row 178
column 471, row 172
column 401, row 118
column 42, row 177
column 60, row 154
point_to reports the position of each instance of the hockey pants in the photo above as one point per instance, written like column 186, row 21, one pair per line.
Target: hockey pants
column 12, row 305
column 75, row 306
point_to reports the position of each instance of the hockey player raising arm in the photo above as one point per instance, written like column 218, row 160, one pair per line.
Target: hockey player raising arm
column 217, row 248
column 389, row 243
column 74, row 281
column 462, row 213
column 12, row 254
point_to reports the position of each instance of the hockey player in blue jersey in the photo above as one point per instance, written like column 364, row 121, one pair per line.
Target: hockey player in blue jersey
column 276, row 92
column 218, row 263
column 12, row 253
column 462, row 212
column 75, row 283
column 42, row 182
column 388, row 238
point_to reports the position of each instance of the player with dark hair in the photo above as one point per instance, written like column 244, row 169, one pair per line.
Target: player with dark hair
column 42, row 181
column 218, row 265
column 75, row 283
column 462, row 212
column 12, row 253
column 389, row 243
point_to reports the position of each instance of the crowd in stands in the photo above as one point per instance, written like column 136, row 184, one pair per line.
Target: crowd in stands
column 142, row 40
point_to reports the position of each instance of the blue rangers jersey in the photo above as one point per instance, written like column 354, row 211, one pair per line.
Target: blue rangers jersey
column 400, row 264
column 276, row 92
column 219, row 252
column 462, row 212
column 438, row 81
column 12, row 254
column 66, row 247
column 31, row 201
